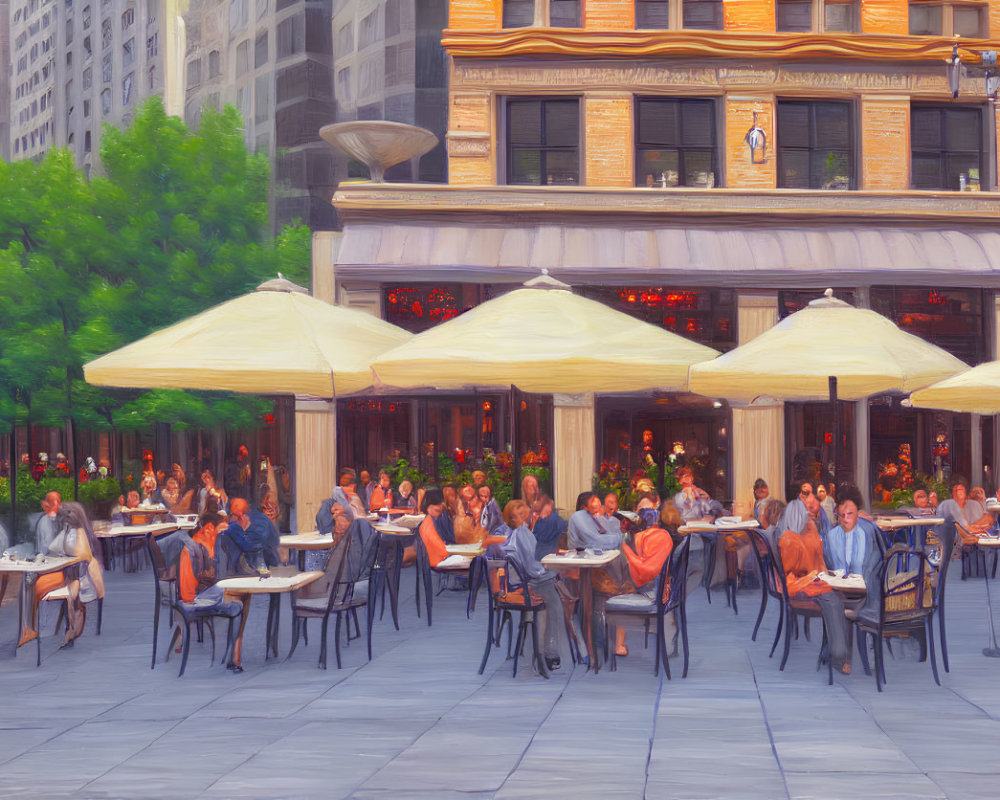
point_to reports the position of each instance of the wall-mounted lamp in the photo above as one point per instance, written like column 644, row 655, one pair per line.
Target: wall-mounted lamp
column 987, row 66
column 756, row 140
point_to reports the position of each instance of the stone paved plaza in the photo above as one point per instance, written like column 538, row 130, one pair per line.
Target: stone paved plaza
column 418, row 722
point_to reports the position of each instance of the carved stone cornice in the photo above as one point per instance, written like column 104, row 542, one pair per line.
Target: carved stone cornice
column 359, row 201
column 713, row 44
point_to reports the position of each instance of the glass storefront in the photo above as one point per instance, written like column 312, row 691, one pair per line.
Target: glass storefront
column 630, row 429
column 707, row 316
column 809, row 439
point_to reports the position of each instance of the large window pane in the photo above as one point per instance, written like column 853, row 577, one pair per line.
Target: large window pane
column 675, row 142
column 659, row 168
column 652, row 14
column 518, row 13
column 793, row 172
column 526, row 167
column 840, row 17
column 543, row 141
column 562, row 127
column 525, row 122
column 562, row 168
column 564, row 13
column 968, row 21
column 814, row 145
column 658, row 123
column 703, row 14
column 794, row 15
column 925, row 20
column 946, row 144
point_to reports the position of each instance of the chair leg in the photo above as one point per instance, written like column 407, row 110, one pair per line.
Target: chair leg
column 296, row 623
column 788, row 637
column 229, row 642
column 336, row 638
column 878, row 660
column 61, row 617
column 185, row 646
column 863, row 651
column 777, row 633
column 322, row 647
column 944, row 638
column 684, row 636
column 156, row 629
column 760, row 614
column 211, row 632
column 805, row 628
column 489, row 639
column 930, row 647
column 100, row 614
column 520, row 639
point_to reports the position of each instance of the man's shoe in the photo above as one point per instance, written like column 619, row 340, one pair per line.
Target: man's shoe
column 236, row 669
column 552, row 663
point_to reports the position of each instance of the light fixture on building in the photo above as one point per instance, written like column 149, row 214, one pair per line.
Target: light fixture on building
column 756, row 140
column 987, row 66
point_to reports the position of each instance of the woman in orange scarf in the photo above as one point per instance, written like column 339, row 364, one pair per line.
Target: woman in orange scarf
column 801, row 551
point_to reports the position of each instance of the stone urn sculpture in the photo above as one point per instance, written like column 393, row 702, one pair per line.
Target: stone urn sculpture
column 378, row 143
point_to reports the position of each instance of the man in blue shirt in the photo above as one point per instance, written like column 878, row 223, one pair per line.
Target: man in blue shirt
column 255, row 538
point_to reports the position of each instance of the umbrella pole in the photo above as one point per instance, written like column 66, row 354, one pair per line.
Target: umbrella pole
column 515, row 475
column 836, row 427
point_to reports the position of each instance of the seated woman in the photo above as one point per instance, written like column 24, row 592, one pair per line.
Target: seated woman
column 801, row 552
column 761, row 494
column 175, row 501
column 969, row 513
column 84, row 580
column 648, row 504
column 693, row 502
column 521, row 544
column 198, row 571
column 490, row 516
column 437, row 551
column 151, row 495
column 404, row 497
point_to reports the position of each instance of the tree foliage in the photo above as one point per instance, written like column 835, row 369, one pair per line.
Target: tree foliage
column 177, row 222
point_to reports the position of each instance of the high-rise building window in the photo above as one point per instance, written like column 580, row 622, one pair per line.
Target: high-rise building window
column 107, row 34
column 128, row 18
column 127, row 88
column 86, row 17
column 815, row 145
column 106, row 68
column 946, row 147
column 152, row 46
column 542, row 141
column 214, row 64
column 88, row 78
column 69, row 31
column 106, row 102
column 242, row 57
column 128, row 53
column 675, row 142
column 260, row 50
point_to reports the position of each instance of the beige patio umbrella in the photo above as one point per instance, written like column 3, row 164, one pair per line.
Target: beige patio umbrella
column 975, row 391
column 863, row 354
column 274, row 340
column 543, row 338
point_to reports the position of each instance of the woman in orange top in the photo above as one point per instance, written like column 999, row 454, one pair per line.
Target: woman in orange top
column 802, row 560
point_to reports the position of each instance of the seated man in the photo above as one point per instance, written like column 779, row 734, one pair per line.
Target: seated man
column 549, row 527
column 345, row 495
column 521, row 544
column 970, row 514
column 921, row 505
column 253, row 537
column 693, row 502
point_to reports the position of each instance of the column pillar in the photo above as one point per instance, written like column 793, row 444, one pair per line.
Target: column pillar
column 758, row 433
column 325, row 245
column 976, row 449
column 862, row 449
column 315, row 457
column 574, row 443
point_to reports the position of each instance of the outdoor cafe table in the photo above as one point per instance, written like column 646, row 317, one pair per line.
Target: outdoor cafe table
column 119, row 536
column 709, row 532
column 585, row 563
column 915, row 526
column 30, row 570
column 274, row 586
column 302, row 542
column 848, row 585
column 990, row 543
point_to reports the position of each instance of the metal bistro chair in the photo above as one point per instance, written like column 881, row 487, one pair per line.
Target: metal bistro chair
column 907, row 601
column 770, row 583
column 509, row 594
column 345, row 587
column 189, row 613
column 668, row 596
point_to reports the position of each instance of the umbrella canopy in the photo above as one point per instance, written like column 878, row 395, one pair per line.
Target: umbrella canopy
column 275, row 340
column 543, row 338
column 975, row 391
column 863, row 350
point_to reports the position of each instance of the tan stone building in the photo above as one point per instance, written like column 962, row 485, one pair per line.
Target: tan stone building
column 708, row 165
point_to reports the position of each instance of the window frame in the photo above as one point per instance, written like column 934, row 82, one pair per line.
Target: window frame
column 542, row 17
column 948, row 16
column 984, row 152
column 852, row 139
column 818, row 16
column 507, row 151
column 638, row 147
column 675, row 16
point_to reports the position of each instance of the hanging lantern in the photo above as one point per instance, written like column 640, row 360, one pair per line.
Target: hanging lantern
column 756, row 140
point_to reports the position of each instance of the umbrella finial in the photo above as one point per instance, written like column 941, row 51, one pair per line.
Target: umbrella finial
column 828, row 301
column 546, row 281
column 828, row 292
column 281, row 284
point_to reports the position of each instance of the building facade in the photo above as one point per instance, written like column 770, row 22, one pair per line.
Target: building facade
column 711, row 165
column 5, row 79
column 78, row 64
